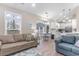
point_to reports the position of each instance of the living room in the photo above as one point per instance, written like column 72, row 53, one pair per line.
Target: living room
column 39, row 29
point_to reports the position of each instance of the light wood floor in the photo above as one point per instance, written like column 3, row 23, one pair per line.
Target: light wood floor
column 47, row 48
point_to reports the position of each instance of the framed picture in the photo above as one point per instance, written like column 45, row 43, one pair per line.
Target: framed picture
column 12, row 22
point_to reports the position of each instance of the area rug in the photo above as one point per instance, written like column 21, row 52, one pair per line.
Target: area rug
column 29, row 52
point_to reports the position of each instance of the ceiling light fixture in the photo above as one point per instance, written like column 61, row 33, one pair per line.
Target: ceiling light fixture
column 33, row 4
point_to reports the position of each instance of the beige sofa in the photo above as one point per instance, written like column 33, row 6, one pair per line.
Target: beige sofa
column 13, row 43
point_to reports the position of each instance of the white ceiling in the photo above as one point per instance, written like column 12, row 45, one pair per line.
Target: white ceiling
column 53, row 9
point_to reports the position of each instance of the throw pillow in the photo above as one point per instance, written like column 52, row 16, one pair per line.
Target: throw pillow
column 77, row 44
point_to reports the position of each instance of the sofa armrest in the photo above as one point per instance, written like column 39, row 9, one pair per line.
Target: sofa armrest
column 58, row 40
column 34, row 38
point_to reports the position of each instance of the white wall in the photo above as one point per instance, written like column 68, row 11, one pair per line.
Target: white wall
column 25, row 18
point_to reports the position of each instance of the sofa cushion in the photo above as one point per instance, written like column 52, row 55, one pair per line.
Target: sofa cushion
column 6, row 39
column 68, row 39
column 14, row 47
column 76, row 38
column 18, row 37
column 65, row 46
column 75, row 50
